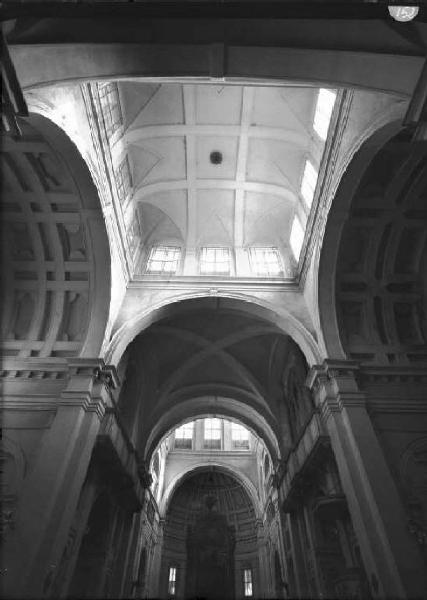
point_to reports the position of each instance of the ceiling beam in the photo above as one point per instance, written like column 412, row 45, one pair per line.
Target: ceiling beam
column 289, row 136
column 251, row 9
column 189, row 101
column 141, row 194
column 248, row 94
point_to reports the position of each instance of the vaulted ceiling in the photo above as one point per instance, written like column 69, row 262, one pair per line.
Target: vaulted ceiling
column 217, row 164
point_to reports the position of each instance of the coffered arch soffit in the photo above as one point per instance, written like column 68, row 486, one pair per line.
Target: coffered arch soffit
column 372, row 282
column 56, row 253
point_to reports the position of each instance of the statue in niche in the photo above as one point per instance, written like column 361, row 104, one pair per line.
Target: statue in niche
column 210, row 555
column 297, row 395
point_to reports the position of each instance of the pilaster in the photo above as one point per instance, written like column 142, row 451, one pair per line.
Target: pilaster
column 51, row 490
column 391, row 557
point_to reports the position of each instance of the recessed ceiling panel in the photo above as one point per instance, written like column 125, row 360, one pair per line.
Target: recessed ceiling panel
column 172, row 203
column 268, row 220
column 274, row 162
column 158, row 159
column 158, row 105
column 215, row 217
column 218, row 104
column 285, row 107
column 157, row 226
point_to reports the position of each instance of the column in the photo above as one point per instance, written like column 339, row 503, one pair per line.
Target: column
column 264, row 584
column 298, row 565
column 391, row 558
column 51, row 491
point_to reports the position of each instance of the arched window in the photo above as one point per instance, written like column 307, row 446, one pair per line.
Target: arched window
column 212, row 434
column 184, row 436
column 247, row 582
column 172, row 578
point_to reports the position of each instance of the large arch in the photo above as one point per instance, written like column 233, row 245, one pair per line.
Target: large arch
column 206, row 465
column 287, row 49
column 381, row 192
column 56, row 254
column 279, row 316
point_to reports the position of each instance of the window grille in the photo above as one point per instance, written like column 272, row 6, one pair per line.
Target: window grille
column 239, row 437
column 247, row 582
column 266, row 262
column 184, row 436
column 215, row 261
column 164, row 259
column 172, row 581
column 212, row 434
column 110, row 106
column 123, row 180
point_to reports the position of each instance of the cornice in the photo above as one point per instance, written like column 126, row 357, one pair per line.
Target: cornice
column 383, row 375
column 398, row 405
column 214, row 284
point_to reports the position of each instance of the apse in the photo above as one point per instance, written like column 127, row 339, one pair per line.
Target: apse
column 210, row 538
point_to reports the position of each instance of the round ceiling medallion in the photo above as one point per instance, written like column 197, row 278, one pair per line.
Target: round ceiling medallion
column 215, row 157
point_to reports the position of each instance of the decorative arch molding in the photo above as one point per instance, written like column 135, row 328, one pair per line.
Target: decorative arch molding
column 56, row 253
column 203, row 466
column 48, row 64
column 279, row 316
column 338, row 217
column 195, row 408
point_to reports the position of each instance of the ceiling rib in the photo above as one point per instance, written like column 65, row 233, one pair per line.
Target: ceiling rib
column 189, row 95
column 143, row 192
column 242, row 158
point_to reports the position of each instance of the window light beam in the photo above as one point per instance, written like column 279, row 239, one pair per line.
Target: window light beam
column 164, row 260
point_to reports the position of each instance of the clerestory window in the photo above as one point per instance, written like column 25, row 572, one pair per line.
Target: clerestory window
column 172, row 581
column 308, row 183
column 164, row 260
column 247, row 582
column 110, row 105
column 297, row 237
column 212, row 434
column 266, row 262
column 184, row 436
column 239, row 437
column 215, row 261
column 323, row 113
column 123, row 180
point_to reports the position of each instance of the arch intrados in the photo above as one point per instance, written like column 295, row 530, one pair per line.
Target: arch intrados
column 204, row 466
column 204, row 416
column 285, row 322
column 337, row 217
column 84, row 195
column 251, row 64
column 198, row 408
